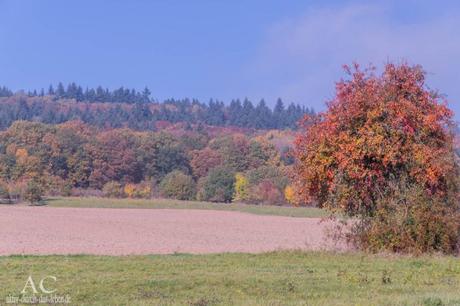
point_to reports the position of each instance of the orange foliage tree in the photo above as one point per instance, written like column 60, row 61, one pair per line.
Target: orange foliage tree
column 383, row 152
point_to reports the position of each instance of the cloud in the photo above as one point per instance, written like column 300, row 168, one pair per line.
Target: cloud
column 301, row 58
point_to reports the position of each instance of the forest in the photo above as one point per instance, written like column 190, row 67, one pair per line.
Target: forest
column 137, row 110
column 123, row 143
column 73, row 158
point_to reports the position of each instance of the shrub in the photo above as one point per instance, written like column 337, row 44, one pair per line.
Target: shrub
column 383, row 153
column 113, row 189
column 129, row 190
column 34, row 192
column 54, row 185
column 177, row 185
column 141, row 190
column 266, row 185
column 266, row 192
column 66, row 189
column 289, row 195
column 4, row 194
column 407, row 219
column 17, row 190
column 268, row 173
column 217, row 186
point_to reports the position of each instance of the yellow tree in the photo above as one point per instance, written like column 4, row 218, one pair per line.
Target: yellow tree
column 241, row 188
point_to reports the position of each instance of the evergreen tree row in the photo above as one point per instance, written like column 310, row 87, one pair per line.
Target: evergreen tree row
column 137, row 110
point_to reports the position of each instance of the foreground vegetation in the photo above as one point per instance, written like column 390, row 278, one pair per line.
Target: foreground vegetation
column 383, row 153
column 280, row 278
column 305, row 212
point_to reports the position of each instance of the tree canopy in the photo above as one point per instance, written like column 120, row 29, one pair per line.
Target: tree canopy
column 137, row 110
column 384, row 139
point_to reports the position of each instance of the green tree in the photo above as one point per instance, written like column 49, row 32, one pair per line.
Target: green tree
column 34, row 192
column 177, row 185
column 218, row 186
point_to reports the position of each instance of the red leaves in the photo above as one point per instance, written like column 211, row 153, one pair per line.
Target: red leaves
column 375, row 128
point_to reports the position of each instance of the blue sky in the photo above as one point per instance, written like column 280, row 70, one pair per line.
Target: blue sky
column 225, row 49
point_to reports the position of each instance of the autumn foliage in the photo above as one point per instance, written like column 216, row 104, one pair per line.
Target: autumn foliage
column 383, row 153
column 77, row 159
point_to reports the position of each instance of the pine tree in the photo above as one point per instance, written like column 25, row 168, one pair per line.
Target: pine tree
column 60, row 91
column 278, row 114
column 248, row 116
column 51, row 90
column 146, row 95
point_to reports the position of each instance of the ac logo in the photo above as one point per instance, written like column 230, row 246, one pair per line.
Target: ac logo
column 30, row 285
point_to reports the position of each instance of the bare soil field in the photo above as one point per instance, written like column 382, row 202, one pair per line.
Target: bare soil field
column 107, row 231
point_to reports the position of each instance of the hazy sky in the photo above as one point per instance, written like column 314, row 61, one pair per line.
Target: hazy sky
column 224, row 49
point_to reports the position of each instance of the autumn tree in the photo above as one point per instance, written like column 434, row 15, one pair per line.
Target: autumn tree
column 383, row 153
column 241, row 188
column 114, row 158
column 204, row 160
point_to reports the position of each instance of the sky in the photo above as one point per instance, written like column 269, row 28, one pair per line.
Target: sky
column 225, row 49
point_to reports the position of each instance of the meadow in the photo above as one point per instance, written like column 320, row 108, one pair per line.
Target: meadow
column 277, row 278
column 88, row 202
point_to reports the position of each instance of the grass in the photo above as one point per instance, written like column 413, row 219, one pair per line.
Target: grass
column 306, row 212
column 278, row 278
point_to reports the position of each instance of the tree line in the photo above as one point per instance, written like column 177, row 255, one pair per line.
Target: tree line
column 124, row 107
column 77, row 159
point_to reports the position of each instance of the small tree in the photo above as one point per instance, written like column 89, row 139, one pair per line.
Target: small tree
column 177, row 185
column 289, row 195
column 383, row 153
column 34, row 192
column 217, row 186
column 241, row 188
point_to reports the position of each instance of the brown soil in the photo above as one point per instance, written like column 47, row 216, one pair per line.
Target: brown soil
column 102, row 231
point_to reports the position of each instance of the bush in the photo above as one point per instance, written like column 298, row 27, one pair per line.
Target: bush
column 217, row 186
column 34, row 192
column 266, row 186
column 266, row 192
column 409, row 220
column 113, row 189
column 289, row 195
column 268, row 173
column 16, row 190
column 177, row 185
column 4, row 194
column 142, row 190
column 66, row 189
